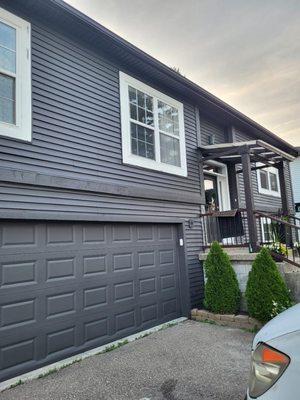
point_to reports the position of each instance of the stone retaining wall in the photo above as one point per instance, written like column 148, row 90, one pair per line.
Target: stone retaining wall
column 234, row 321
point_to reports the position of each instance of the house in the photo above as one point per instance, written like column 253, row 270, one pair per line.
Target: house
column 295, row 172
column 108, row 158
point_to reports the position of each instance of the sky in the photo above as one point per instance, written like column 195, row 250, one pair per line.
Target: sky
column 246, row 52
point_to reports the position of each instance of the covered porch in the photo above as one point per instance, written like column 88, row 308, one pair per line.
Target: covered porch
column 234, row 225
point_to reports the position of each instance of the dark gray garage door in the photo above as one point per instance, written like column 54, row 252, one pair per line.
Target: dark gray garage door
column 66, row 287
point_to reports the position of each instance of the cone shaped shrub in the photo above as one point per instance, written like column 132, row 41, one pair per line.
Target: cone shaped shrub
column 222, row 294
column 266, row 292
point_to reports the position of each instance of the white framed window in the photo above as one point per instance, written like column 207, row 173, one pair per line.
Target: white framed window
column 268, row 181
column 15, row 77
column 266, row 230
column 152, row 128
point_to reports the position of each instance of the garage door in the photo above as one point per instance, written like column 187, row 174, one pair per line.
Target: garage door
column 67, row 287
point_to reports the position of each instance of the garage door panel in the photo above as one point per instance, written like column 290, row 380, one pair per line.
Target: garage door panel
column 67, row 287
column 149, row 313
column 17, row 272
column 94, row 264
column 21, row 235
column 96, row 329
column 145, row 233
column 18, row 353
column 170, row 307
column 146, row 258
column 126, row 320
column 18, row 312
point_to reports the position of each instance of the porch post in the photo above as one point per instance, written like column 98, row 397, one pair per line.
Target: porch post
column 246, row 164
column 283, row 189
column 233, row 187
column 285, row 202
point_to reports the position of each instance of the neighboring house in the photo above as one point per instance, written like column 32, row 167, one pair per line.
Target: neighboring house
column 108, row 158
column 295, row 172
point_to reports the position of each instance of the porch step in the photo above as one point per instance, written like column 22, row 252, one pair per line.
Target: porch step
column 235, row 254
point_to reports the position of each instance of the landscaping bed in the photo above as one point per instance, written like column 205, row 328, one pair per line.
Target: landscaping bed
column 234, row 321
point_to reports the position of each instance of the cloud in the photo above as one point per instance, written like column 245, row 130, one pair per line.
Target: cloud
column 245, row 52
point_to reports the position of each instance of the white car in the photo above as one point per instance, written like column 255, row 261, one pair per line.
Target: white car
column 275, row 361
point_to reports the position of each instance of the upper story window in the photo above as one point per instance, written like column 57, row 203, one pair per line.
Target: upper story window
column 152, row 128
column 15, row 77
column 268, row 181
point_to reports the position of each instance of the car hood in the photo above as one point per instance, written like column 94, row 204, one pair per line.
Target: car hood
column 284, row 323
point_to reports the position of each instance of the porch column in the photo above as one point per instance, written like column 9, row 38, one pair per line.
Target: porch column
column 288, row 232
column 283, row 189
column 233, row 185
column 246, row 164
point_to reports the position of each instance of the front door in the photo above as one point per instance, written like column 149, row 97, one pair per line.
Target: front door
column 216, row 187
column 211, row 193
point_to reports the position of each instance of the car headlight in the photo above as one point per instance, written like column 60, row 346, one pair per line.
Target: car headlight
column 267, row 366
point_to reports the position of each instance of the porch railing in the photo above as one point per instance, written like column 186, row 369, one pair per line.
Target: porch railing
column 228, row 229
column 280, row 234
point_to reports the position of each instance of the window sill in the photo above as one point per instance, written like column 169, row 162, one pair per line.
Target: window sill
column 269, row 193
column 136, row 161
column 14, row 133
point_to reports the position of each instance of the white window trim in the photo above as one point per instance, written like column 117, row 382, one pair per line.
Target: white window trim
column 132, row 159
column 263, row 221
column 22, row 129
column 222, row 183
column 268, row 192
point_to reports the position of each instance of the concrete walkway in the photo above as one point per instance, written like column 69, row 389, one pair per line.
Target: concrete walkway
column 190, row 361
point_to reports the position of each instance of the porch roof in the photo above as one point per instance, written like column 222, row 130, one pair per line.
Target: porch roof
column 259, row 151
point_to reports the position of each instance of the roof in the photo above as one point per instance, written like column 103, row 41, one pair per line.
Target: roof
column 85, row 28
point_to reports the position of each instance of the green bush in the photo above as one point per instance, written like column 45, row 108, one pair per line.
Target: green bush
column 222, row 294
column 266, row 292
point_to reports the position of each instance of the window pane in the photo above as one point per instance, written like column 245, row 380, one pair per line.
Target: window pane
column 133, row 111
column 7, row 99
column 169, row 150
column 264, row 179
column 267, row 231
column 168, row 118
column 273, row 182
column 7, row 86
column 7, row 36
column 142, row 141
column 142, row 115
column 149, row 103
column 132, row 95
column 7, row 110
column 7, row 60
column 141, row 99
column 141, row 106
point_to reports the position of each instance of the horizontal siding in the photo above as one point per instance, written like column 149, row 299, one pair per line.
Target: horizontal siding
column 209, row 128
column 76, row 120
column 77, row 134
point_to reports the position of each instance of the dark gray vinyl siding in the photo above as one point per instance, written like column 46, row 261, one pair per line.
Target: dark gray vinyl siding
column 76, row 120
column 209, row 128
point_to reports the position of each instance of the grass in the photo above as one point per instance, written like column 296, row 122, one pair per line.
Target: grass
column 19, row 382
column 114, row 346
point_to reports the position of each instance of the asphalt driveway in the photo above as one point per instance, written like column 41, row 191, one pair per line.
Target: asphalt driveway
column 190, row 361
